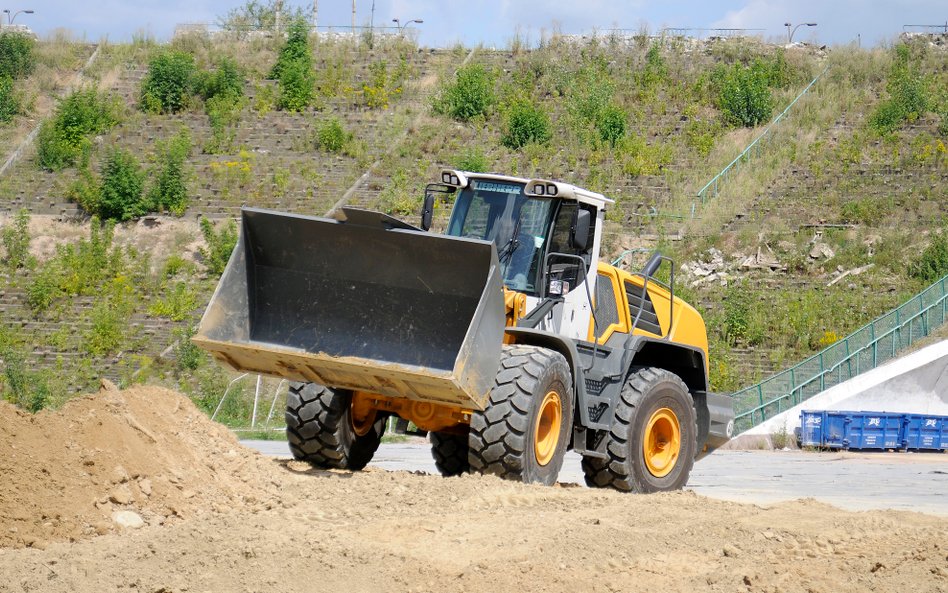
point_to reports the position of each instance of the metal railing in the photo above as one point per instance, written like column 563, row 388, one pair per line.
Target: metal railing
column 752, row 149
column 863, row 350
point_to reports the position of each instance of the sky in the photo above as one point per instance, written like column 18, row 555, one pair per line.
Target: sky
column 494, row 23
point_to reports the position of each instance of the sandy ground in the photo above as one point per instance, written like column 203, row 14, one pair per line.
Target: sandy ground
column 218, row 517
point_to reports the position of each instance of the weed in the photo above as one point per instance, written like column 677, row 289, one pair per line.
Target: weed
column 331, row 136
column 10, row 103
column 177, row 304
column 226, row 80
column 16, row 241
column 297, row 84
column 473, row 160
column 932, row 265
column 220, row 244
column 611, row 124
column 223, row 111
column 743, row 93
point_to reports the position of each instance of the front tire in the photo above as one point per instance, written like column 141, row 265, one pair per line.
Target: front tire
column 525, row 429
column 652, row 442
column 321, row 428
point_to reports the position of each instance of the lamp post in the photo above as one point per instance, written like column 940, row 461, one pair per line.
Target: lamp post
column 790, row 33
column 402, row 27
column 15, row 14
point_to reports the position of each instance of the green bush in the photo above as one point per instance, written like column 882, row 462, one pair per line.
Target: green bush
column 295, row 51
column 226, row 80
column 611, row 124
column 742, row 93
column 65, row 138
column 17, row 55
column 9, row 99
column 908, row 98
column 167, row 86
column 187, row 355
column 655, row 70
column 473, row 160
column 469, row 95
column 331, row 136
column 109, row 318
column 170, row 192
column 123, row 184
column 932, row 265
column 16, row 241
column 297, row 83
column 526, row 122
column 220, row 244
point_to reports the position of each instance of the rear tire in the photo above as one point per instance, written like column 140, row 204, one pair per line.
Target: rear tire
column 652, row 443
column 319, row 428
column 525, row 429
column 450, row 452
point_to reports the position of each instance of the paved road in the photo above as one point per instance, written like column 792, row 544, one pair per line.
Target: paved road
column 852, row 481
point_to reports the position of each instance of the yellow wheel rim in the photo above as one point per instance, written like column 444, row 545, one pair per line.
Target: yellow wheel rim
column 547, row 433
column 361, row 414
column 662, row 442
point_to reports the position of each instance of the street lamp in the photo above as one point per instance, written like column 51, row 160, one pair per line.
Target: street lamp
column 790, row 33
column 401, row 27
column 15, row 14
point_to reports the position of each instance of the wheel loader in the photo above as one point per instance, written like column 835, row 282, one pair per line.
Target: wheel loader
column 506, row 339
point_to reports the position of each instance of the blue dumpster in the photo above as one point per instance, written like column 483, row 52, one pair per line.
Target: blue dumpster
column 925, row 432
column 851, row 430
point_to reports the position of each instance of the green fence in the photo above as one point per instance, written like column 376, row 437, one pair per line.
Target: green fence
column 753, row 149
column 864, row 349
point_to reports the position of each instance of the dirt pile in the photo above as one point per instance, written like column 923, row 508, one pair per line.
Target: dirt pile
column 219, row 517
column 394, row 531
column 66, row 474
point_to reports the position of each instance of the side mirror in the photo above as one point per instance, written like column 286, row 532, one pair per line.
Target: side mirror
column 427, row 211
column 579, row 230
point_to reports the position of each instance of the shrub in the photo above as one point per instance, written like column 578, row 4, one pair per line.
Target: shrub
column 9, row 99
column 471, row 94
column 295, row 51
column 743, row 94
column 109, row 318
column 226, row 80
column 65, row 137
column 611, row 124
column 257, row 16
column 473, row 160
column 168, row 83
column 932, row 265
column 187, row 355
column 331, row 136
column 220, row 244
column 17, row 55
column 526, row 122
column 908, row 98
column 123, row 183
column 169, row 192
column 297, row 82
column 16, row 240
column 655, row 70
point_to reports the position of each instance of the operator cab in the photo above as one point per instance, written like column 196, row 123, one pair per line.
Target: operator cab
column 546, row 233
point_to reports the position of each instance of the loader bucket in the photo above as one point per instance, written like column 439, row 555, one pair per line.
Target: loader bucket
column 368, row 303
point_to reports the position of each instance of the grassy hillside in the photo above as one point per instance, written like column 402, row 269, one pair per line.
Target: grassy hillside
column 645, row 121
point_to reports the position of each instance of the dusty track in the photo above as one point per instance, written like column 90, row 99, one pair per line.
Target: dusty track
column 230, row 520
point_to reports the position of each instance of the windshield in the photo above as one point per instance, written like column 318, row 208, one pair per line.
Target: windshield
column 518, row 226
